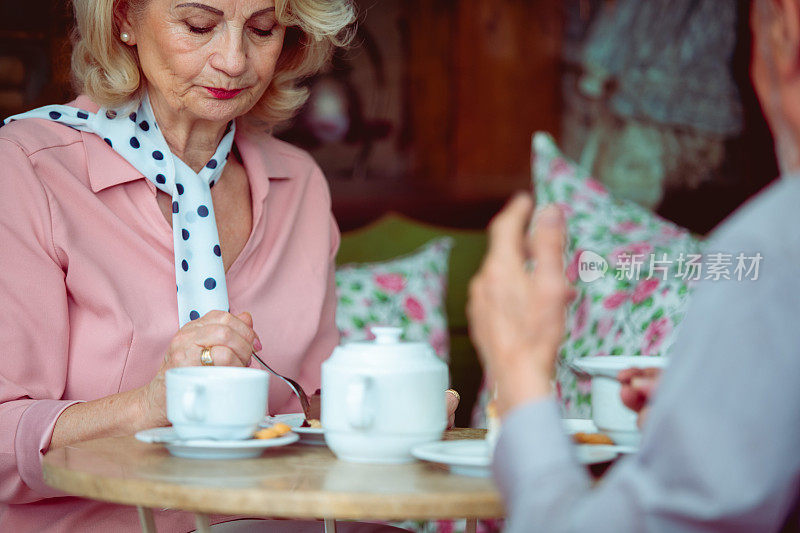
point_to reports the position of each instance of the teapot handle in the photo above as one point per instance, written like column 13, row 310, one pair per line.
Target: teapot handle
column 360, row 410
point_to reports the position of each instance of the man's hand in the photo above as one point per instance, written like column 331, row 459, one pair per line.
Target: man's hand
column 638, row 386
column 517, row 316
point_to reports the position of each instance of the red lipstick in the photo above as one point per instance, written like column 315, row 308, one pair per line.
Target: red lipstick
column 223, row 94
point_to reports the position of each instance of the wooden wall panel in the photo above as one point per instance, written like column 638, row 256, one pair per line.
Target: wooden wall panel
column 431, row 30
column 34, row 54
column 476, row 101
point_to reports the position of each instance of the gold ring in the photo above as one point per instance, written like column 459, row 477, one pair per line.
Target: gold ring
column 205, row 357
column 454, row 393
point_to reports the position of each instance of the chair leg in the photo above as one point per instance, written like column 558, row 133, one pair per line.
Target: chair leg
column 146, row 519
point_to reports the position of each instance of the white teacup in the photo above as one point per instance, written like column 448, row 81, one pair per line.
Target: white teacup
column 609, row 414
column 216, row 402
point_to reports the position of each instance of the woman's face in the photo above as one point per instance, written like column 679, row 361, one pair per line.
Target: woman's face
column 210, row 59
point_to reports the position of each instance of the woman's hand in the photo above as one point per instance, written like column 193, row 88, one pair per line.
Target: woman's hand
column 452, row 399
column 638, row 386
column 516, row 316
column 231, row 340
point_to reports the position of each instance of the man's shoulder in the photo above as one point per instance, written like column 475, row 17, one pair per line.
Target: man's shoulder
column 770, row 220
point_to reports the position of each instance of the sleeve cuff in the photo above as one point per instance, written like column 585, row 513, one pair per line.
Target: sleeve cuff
column 532, row 443
column 34, row 431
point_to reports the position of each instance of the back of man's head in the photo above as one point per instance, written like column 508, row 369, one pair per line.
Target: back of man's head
column 776, row 74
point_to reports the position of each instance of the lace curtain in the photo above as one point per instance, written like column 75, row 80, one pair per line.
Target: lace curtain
column 649, row 95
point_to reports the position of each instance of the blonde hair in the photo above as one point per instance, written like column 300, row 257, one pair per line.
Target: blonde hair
column 108, row 71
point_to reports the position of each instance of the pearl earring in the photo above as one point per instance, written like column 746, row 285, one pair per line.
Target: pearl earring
column 124, row 37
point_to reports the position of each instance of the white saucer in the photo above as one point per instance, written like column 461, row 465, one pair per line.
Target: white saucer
column 314, row 436
column 212, row 449
column 582, row 425
column 609, row 365
column 470, row 457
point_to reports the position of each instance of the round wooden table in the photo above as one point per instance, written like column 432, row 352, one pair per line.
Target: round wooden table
column 295, row 481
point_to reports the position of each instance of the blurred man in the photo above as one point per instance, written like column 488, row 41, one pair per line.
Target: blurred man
column 720, row 445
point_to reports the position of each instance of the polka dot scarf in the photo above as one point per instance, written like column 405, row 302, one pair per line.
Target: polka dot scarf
column 199, row 273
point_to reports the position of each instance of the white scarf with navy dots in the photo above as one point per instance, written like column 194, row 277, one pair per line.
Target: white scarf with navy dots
column 199, row 272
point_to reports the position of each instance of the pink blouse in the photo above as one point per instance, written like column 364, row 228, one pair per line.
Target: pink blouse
column 87, row 295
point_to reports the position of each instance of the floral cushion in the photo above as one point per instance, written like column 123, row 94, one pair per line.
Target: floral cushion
column 407, row 291
column 487, row 525
column 634, row 307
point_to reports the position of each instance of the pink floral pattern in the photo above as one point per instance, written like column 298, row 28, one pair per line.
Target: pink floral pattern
column 407, row 291
column 414, row 309
column 390, row 282
column 604, row 326
column 581, row 316
column 644, row 289
column 612, row 315
column 572, row 267
column 615, row 300
column 627, row 226
column 655, row 334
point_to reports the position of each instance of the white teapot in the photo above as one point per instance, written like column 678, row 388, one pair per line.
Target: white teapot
column 381, row 398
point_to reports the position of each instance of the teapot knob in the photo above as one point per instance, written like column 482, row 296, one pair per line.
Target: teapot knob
column 386, row 334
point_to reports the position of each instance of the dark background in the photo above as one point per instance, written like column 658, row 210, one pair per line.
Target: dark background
column 439, row 100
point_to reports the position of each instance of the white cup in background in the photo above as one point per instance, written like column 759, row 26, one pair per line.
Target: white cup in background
column 216, row 402
column 609, row 414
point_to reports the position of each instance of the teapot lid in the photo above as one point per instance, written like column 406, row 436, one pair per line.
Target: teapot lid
column 387, row 342
column 386, row 334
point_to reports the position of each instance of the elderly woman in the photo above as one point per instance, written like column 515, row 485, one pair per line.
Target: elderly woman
column 159, row 174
